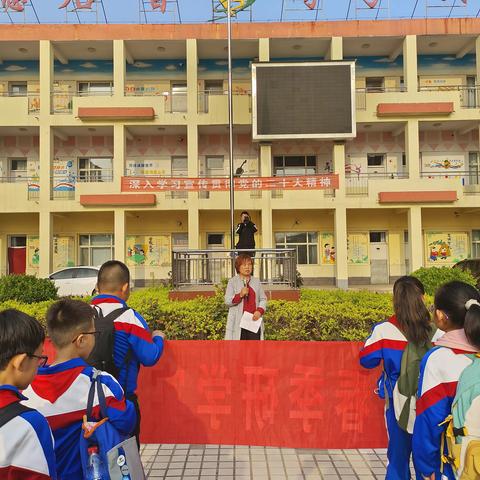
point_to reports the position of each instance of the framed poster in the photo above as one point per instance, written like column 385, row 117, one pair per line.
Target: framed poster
column 63, row 252
column 148, row 250
column 357, row 248
column 33, row 251
column 446, row 247
column 327, row 249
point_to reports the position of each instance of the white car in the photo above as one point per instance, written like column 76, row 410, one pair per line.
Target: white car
column 77, row 281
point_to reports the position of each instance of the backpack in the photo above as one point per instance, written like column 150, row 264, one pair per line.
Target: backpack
column 11, row 411
column 119, row 454
column 405, row 391
column 462, row 434
column 101, row 356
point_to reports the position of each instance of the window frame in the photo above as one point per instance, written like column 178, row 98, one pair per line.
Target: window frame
column 94, row 175
column 295, row 245
column 282, row 170
column 90, row 247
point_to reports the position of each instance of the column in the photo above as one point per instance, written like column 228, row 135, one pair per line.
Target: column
column 192, row 149
column 267, row 227
column 119, row 68
column 118, row 155
column 265, row 159
column 410, row 63
column 412, row 149
column 45, row 231
column 192, row 79
column 415, row 238
column 477, row 58
column 46, row 155
column 335, row 52
column 339, row 166
column 264, row 49
column 193, row 228
column 341, row 261
column 119, row 228
column 46, row 78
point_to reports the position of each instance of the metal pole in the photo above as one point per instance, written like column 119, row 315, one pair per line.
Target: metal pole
column 230, row 126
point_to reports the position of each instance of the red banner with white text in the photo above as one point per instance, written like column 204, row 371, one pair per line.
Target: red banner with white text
column 159, row 184
column 289, row 394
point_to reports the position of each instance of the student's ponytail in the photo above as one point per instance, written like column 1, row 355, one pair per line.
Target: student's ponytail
column 472, row 322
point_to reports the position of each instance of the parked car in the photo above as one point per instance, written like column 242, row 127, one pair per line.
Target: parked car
column 78, row 281
column 472, row 264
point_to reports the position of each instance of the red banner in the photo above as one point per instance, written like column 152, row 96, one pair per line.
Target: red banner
column 289, row 394
column 159, row 184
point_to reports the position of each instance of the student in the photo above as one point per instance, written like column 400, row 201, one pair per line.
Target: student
column 134, row 345
column 26, row 443
column 60, row 391
column 410, row 323
column 457, row 313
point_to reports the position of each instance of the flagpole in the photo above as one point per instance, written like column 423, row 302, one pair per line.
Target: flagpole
column 230, row 125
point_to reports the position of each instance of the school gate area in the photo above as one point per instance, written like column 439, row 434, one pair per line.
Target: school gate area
column 282, row 394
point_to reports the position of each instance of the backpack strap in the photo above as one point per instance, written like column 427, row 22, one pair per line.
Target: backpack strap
column 96, row 385
column 11, row 411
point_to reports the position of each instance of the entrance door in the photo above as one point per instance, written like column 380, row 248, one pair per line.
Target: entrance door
column 179, row 97
column 379, row 258
column 217, row 263
column 17, row 254
column 473, row 169
column 471, row 92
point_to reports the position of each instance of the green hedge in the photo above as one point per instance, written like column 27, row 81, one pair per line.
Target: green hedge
column 434, row 277
column 319, row 315
column 26, row 289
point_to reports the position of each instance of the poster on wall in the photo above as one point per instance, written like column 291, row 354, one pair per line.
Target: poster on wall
column 148, row 250
column 63, row 252
column 357, row 248
column 328, row 249
column 33, row 251
column 446, row 248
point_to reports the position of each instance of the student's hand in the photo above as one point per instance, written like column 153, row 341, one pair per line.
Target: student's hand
column 256, row 315
column 244, row 292
column 158, row 333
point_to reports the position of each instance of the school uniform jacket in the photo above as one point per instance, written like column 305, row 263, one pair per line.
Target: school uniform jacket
column 440, row 371
column 26, row 443
column 386, row 343
column 60, row 393
column 131, row 332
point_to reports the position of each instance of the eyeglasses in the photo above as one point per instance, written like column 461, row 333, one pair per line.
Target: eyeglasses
column 42, row 359
column 96, row 332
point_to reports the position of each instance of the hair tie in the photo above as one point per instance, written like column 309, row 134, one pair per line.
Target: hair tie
column 471, row 302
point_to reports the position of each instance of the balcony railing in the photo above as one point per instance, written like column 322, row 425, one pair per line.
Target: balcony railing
column 469, row 179
column 209, row 267
column 33, row 99
column 361, row 94
column 62, row 102
column 206, row 97
column 176, row 102
column 469, row 96
column 64, row 186
column 357, row 183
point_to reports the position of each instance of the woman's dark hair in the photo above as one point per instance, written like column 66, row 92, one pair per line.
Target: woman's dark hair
column 451, row 299
column 241, row 259
column 19, row 333
column 410, row 309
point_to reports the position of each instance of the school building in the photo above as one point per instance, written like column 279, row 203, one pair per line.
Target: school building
column 96, row 120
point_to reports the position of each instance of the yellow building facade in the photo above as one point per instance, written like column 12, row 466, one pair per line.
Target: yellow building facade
column 85, row 108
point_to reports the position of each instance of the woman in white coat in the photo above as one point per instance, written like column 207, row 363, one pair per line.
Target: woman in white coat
column 244, row 294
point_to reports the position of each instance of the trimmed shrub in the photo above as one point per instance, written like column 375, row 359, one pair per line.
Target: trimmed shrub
column 434, row 277
column 26, row 289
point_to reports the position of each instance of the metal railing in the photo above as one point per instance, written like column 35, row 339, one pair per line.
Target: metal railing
column 357, row 183
column 205, row 96
column 469, row 96
column 64, row 186
column 469, row 179
column 277, row 266
column 62, row 102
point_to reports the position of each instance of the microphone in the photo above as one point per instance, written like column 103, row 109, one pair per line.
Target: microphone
column 245, row 284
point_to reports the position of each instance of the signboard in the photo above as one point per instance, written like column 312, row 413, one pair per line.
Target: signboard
column 159, row 184
column 33, row 251
column 148, row 250
column 63, row 252
column 357, row 248
column 446, row 248
column 328, row 249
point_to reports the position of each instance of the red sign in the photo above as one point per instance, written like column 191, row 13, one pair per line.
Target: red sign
column 159, row 184
column 288, row 394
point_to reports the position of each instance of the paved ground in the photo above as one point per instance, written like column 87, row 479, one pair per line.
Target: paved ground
column 223, row 462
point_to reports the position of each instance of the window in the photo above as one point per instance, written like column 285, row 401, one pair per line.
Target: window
column 18, row 169
column 20, row 241
column 66, row 274
column 375, row 84
column 378, row 237
column 95, row 170
column 306, row 244
column 86, row 273
column 179, row 168
column 96, row 249
column 18, row 89
column 375, row 159
column 179, row 97
column 180, row 240
column 475, row 243
column 95, row 88
column 473, row 168
column 294, row 165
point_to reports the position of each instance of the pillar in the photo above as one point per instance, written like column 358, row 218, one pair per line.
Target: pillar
column 193, row 228
column 415, row 238
column 341, row 261
column 119, row 68
column 45, row 230
column 118, row 155
column 339, row 166
column 267, row 227
column 266, row 159
column 335, row 51
column 119, row 230
column 46, row 78
column 264, row 49
column 192, row 79
column 410, row 63
column 412, row 149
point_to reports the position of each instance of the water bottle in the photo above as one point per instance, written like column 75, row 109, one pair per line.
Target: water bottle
column 96, row 468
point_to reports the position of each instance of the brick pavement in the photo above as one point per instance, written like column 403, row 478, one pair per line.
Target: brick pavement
column 223, row 462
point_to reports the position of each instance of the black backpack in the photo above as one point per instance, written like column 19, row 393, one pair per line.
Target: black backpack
column 101, row 356
column 11, row 411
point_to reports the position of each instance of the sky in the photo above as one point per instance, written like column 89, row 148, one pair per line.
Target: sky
column 200, row 11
